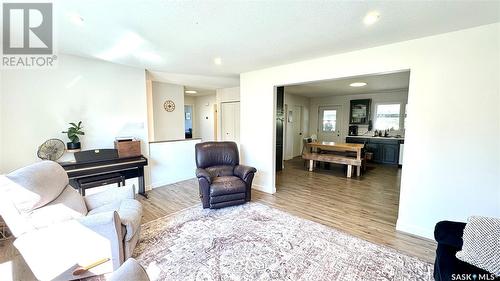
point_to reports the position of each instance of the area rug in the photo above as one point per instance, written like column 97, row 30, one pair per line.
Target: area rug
column 257, row 242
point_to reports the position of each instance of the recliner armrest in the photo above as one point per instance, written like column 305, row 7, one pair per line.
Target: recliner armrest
column 202, row 173
column 243, row 171
column 449, row 233
column 108, row 225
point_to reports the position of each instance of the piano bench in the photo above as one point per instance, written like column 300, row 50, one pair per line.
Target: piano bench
column 100, row 180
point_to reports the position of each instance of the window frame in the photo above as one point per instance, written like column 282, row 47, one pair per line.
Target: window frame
column 402, row 113
column 322, row 120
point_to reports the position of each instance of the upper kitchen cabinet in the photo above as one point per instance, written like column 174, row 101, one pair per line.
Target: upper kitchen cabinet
column 360, row 112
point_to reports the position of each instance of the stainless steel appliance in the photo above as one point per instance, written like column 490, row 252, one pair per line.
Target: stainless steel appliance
column 353, row 130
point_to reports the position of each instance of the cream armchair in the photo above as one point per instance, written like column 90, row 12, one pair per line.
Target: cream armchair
column 37, row 202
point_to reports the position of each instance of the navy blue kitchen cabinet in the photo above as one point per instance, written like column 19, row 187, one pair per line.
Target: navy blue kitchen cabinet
column 385, row 150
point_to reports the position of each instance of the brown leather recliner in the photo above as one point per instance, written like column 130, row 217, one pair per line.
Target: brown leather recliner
column 223, row 181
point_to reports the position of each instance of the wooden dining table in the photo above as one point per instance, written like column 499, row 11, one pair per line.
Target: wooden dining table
column 339, row 147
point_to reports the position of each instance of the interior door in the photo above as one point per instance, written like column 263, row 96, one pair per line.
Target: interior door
column 329, row 126
column 280, row 118
column 230, row 127
column 297, row 130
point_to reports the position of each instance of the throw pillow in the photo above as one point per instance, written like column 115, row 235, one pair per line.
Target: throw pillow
column 481, row 246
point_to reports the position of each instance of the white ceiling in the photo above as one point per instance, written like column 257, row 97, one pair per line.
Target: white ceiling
column 199, row 91
column 185, row 36
column 340, row 87
column 195, row 81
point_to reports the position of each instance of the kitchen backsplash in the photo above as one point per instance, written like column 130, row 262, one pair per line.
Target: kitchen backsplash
column 363, row 131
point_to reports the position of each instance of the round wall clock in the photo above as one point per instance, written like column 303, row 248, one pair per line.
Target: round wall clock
column 169, row 105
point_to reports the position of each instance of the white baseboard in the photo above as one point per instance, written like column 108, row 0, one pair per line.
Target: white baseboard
column 160, row 184
column 415, row 230
column 262, row 188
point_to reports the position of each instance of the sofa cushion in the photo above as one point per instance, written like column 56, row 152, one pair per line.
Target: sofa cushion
column 69, row 205
column 226, row 185
column 129, row 211
column 36, row 185
column 481, row 243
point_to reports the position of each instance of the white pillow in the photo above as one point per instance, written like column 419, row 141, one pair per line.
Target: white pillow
column 481, row 246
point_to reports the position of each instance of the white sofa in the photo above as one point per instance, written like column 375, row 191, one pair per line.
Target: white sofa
column 130, row 270
column 50, row 219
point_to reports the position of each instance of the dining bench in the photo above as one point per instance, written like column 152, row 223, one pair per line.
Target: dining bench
column 333, row 152
column 333, row 158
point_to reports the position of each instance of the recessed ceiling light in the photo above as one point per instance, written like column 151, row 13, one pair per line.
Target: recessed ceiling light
column 358, row 84
column 371, row 18
column 190, row 92
column 218, row 61
column 76, row 19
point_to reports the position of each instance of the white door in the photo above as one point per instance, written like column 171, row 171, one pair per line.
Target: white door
column 297, row 131
column 230, row 121
column 329, row 123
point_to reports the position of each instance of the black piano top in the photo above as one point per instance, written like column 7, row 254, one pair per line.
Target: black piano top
column 139, row 160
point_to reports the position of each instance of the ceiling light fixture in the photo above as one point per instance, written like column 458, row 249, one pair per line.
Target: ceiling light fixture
column 190, row 92
column 358, row 84
column 76, row 19
column 371, row 18
column 218, row 61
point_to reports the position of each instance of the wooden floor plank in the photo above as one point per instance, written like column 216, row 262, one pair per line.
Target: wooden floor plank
column 365, row 206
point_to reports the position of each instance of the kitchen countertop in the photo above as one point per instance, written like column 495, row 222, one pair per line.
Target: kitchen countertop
column 372, row 137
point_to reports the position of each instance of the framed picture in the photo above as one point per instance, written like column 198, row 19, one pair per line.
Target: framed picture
column 188, row 115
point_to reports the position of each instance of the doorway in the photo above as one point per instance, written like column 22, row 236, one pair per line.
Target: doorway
column 297, row 130
column 330, row 123
column 328, row 108
column 188, row 121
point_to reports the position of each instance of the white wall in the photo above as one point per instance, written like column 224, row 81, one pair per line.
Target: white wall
column 291, row 101
column 168, row 125
column 172, row 162
column 204, row 117
column 400, row 96
column 450, row 170
column 228, row 94
column 110, row 99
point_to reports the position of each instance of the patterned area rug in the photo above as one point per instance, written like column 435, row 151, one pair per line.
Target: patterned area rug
column 256, row 242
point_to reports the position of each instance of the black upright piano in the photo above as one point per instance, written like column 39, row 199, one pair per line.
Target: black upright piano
column 103, row 166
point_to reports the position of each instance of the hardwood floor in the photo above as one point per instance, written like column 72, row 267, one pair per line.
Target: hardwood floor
column 365, row 207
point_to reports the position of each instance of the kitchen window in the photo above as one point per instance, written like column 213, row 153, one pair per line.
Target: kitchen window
column 387, row 116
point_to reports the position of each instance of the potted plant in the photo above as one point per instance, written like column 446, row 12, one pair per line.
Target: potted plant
column 73, row 133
